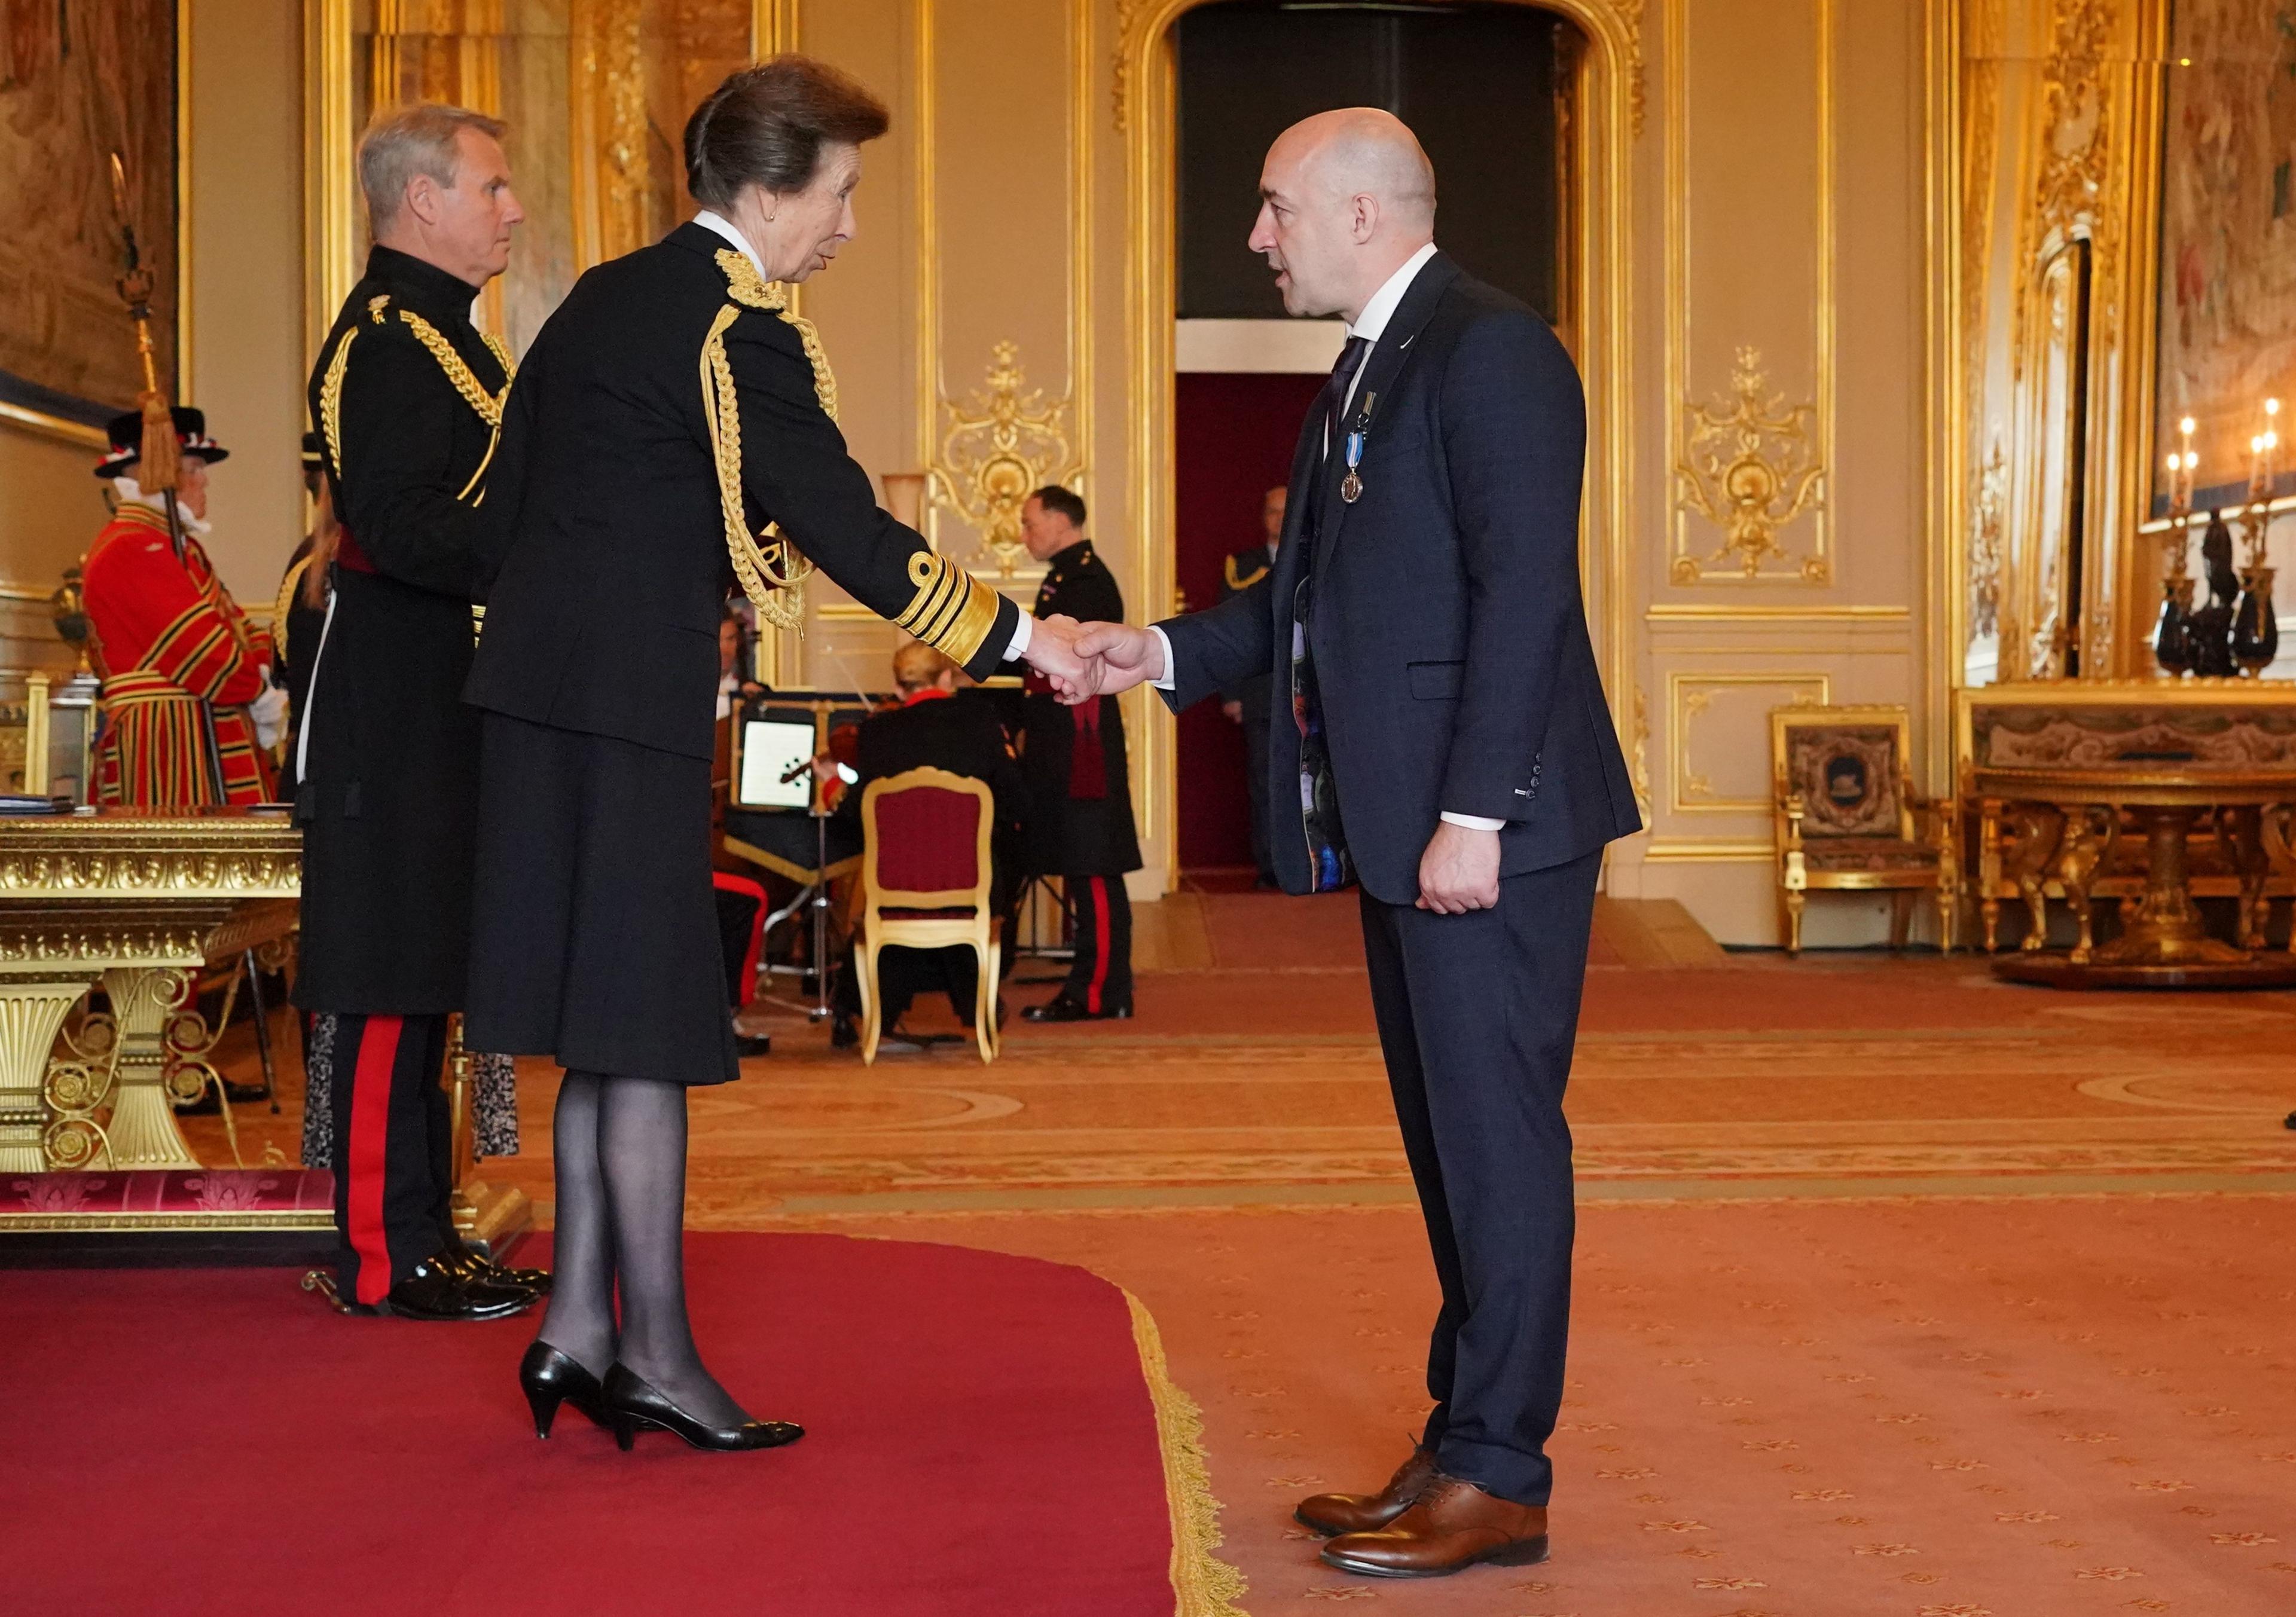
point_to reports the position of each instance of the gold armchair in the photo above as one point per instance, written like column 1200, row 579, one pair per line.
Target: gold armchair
column 1849, row 820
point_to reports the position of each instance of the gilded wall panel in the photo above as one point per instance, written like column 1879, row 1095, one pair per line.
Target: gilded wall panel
column 1750, row 160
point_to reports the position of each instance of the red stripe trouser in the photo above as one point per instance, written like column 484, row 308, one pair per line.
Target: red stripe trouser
column 1099, row 979
column 393, row 1176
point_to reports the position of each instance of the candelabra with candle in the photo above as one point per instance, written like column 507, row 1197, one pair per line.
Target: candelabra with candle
column 2172, row 639
column 2256, row 627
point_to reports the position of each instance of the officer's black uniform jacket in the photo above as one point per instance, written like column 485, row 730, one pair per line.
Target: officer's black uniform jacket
column 389, row 799
column 607, row 522
column 1067, row 834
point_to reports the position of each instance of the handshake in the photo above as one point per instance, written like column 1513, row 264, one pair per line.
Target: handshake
column 1081, row 661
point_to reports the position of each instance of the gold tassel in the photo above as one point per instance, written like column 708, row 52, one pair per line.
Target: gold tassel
column 161, row 458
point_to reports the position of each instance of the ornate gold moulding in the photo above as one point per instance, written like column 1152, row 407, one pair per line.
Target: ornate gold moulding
column 138, row 901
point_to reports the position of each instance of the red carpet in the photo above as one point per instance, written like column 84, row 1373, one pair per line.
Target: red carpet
column 981, row 1439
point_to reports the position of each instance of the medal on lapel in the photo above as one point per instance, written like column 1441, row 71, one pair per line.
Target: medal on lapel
column 1351, row 486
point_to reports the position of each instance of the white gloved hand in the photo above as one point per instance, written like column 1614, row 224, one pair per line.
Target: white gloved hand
column 270, row 713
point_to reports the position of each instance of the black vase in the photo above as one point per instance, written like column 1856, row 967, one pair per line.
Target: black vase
column 2172, row 639
column 2255, row 626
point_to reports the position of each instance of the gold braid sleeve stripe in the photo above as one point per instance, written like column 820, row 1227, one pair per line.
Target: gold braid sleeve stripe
column 952, row 611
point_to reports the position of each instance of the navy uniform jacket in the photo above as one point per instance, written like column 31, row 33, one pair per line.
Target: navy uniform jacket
column 1449, row 634
column 1070, row 835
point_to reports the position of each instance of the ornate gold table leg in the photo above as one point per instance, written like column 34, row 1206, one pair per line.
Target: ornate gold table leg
column 33, row 1006
column 2167, row 929
column 2035, row 830
column 2164, row 944
column 484, row 1216
column 142, row 1127
column 2243, row 831
column 2089, row 834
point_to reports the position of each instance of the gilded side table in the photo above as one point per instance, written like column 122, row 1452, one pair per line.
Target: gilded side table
column 2071, row 818
column 138, row 899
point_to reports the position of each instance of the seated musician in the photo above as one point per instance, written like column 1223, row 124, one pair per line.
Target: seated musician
column 935, row 727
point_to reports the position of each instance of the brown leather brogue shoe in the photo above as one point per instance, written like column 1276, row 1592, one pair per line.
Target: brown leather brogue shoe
column 1452, row 1524
column 1329, row 1514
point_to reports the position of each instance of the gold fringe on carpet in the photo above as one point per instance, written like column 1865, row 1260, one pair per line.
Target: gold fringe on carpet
column 1202, row 1584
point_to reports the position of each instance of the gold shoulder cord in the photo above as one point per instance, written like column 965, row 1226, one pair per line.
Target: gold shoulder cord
column 1238, row 581
column 489, row 405
column 285, row 604
column 951, row 610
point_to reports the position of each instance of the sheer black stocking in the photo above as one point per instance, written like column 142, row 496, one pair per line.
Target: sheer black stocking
column 641, row 1148
column 580, row 1320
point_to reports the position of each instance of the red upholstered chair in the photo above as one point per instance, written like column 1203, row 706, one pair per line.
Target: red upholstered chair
column 924, row 885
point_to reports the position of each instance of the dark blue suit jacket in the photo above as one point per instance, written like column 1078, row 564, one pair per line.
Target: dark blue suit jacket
column 1447, row 631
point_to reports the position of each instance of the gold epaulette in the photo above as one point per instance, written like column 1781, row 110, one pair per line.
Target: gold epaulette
column 465, row 382
column 1234, row 583
column 771, row 573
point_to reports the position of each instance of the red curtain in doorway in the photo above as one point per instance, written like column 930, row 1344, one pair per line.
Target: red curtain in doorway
column 1232, row 442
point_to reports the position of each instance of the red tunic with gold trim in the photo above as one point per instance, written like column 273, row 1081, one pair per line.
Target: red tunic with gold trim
column 175, row 655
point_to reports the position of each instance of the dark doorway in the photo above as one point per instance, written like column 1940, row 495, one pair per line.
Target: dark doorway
column 1232, row 443
column 1482, row 86
column 1477, row 84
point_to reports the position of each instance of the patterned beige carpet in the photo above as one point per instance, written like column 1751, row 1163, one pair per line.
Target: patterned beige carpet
column 1903, row 1293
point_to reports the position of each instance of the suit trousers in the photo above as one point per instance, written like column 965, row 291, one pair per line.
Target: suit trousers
column 1255, row 776
column 1477, row 1016
column 394, row 1173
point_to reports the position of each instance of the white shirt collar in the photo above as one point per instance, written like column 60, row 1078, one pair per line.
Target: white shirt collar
column 710, row 220
column 1380, row 309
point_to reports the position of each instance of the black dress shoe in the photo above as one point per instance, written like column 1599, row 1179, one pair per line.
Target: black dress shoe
column 753, row 1044
column 1059, row 1008
column 433, row 1293
column 631, row 1403
column 467, row 1263
column 549, row 1378
column 843, row 1034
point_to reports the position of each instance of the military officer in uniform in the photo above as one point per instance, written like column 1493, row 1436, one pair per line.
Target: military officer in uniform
column 1247, row 702
column 407, row 397
column 1079, row 825
column 674, row 431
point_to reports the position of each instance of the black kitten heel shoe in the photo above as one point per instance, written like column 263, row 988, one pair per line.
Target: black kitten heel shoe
column 632, row 1403
column 549, row 1378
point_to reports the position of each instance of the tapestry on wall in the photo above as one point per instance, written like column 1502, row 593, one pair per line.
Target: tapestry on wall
column 78, row 79
column 2227, row 239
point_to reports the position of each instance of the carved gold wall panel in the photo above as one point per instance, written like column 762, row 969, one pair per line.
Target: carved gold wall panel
column 1751, row 256
column 1002, row 442
column 1749, row 466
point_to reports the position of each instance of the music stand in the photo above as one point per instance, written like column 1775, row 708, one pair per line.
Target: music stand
column 774, row 796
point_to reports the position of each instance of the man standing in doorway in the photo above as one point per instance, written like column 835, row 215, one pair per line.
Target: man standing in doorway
column 1250, row 700
column 1079, row 789
column 1450, row 747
